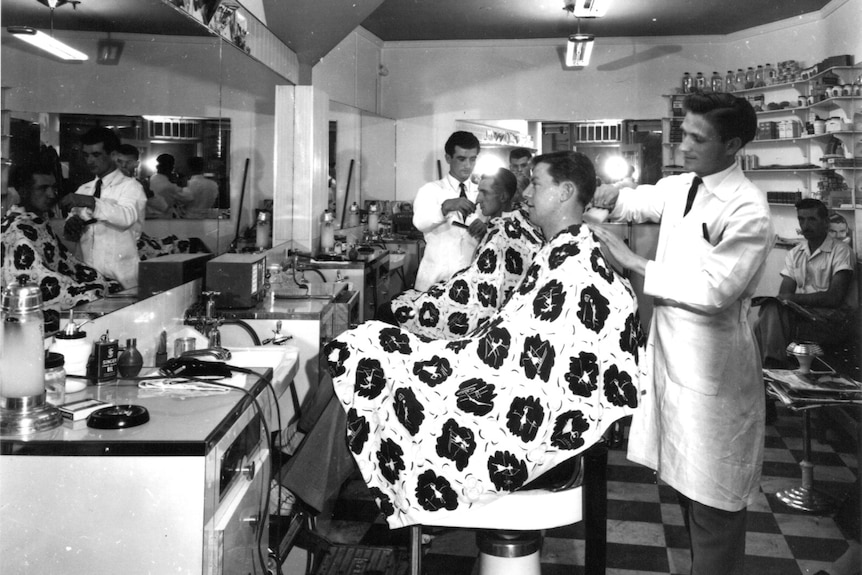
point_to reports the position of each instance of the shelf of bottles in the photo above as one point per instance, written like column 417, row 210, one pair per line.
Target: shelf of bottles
column 809, row 138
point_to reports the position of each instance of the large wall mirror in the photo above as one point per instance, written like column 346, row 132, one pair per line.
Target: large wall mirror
column 174, row 86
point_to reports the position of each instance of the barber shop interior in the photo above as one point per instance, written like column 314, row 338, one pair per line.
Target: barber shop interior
column 440, row 287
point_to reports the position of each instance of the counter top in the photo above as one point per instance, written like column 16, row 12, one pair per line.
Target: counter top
column 181, row 423
column 272, row 308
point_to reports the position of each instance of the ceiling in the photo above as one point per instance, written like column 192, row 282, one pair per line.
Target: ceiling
column 311, row 28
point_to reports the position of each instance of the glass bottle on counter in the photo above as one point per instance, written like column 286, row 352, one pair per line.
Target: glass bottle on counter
column 353, row 220
column 700, row 82
column 715, row 82
column 373, row 218
column 131, row 361
column 729, row 82
column 327, row 233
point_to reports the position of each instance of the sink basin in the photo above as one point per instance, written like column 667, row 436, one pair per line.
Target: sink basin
column 315, row 291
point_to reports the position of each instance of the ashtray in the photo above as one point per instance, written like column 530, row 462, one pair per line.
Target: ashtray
column 118, row 417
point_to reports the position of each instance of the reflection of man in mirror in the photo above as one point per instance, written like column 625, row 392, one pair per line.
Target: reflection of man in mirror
column 33, row 253
column 165, row 190
column 838, row 228
column 128, row 159
column 519, row 161
column 201, row 192
column 107, row 213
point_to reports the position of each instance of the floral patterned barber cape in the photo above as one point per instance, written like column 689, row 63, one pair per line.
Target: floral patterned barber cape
column 31, row 252
column 453, row 308
column 438, row 425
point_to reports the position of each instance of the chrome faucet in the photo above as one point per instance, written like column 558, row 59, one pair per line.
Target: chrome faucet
column 211, row 323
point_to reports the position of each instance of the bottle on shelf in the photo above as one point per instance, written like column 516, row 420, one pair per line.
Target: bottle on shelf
column 770, row 75
column 687, row 83
column 749, row 77
column 739, row 79
column 729, row 82
column 700, row 82
column 716, row 84
column 758, row 77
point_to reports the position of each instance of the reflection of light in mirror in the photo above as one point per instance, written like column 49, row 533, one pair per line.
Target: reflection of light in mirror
column 616, row 167
column 487, row 164
column 150, row 164
column 146, row 317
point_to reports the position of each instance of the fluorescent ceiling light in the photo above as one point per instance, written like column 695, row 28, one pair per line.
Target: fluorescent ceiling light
column 579, row 49
column 46, row 42
column 587, row 8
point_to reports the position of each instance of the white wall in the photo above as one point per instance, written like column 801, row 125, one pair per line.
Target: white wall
column 349, row 74
column 432, row 84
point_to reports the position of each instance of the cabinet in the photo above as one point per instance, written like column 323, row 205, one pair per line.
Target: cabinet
column 809, row 141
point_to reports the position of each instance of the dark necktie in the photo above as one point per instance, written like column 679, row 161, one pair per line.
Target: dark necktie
column 97, row 193
column 463, row 189
column 692, row 192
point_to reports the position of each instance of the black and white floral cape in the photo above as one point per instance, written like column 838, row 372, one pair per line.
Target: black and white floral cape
column 437, row 425
column 453, row 308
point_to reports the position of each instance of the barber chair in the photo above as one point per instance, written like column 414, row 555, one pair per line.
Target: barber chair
column 510, row 528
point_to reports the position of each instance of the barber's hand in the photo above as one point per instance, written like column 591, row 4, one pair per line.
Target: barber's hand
column 478, row 228
column 461, row 205
column 70, row 201
column 74, row 228
column 619, row 251
column 606, row 197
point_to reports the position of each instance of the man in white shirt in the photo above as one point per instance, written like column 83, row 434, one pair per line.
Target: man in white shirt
column 200, row 194
column 444, row 211
column 107, row 213
column 701, row 420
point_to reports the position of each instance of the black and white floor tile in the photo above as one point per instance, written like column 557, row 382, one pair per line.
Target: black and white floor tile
column 646, row 535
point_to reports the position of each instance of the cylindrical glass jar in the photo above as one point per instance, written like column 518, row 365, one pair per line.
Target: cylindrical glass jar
column 55, row 378
column 22, row 363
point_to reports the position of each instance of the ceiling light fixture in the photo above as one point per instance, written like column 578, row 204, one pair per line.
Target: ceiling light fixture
column 579, row 49
column 45, row 42
column 587, row 8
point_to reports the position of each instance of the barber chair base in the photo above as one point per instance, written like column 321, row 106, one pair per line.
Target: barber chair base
column 510, row 552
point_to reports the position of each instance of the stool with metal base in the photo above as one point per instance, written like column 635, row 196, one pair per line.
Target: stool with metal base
column 806, row 497
column 511, row 527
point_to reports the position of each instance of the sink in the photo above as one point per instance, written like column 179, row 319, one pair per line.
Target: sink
column 315, row 291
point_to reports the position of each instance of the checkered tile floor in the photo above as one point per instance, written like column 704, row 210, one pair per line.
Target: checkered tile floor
column 646, row 535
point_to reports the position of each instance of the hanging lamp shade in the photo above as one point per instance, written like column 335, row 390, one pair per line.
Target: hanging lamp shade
column 579, row 49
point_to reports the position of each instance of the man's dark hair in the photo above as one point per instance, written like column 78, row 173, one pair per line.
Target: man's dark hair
column 572, row 167
column 129, row 150
column 731, row 116
column 519, row 153
column 196, row 165
column 813, row 204
column 21, row 177
column 101, row 135
column 164, row 163
column 465, row 140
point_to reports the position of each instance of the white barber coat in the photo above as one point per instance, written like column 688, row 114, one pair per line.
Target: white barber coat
column 448, row 248
column 111, row 244
column 700, row 423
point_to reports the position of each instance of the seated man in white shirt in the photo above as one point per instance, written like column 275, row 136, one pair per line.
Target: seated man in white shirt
column 812, row 301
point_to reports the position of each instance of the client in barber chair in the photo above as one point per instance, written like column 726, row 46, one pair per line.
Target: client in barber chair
column 455, row 307
column 436, row 425
column 31, row 252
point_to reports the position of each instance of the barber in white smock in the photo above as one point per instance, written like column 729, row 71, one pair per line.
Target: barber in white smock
column 700, row 423
column 106, row 214
column 445, row 212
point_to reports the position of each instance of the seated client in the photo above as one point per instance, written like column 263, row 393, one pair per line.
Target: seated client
column 33, row 253
column 435, row 425
column 453, row 308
